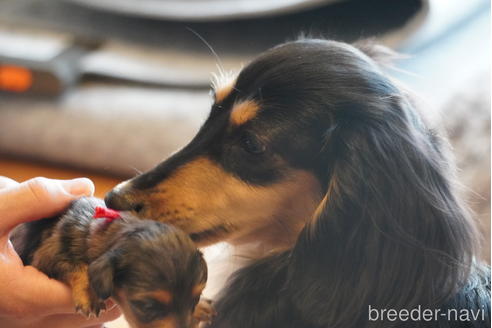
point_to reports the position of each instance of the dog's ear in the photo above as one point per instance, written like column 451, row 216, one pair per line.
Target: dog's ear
column 102, row 274
column 380, row 54
column 390, row 231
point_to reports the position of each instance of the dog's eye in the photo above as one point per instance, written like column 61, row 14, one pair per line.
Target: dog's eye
column 149, row 308
column 251, row 144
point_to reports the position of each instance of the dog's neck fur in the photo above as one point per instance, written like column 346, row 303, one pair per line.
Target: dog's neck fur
column 276, row 236
column 227, row 257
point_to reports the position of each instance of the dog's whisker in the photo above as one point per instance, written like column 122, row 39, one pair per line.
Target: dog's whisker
column 219, row 63
column 137, row 171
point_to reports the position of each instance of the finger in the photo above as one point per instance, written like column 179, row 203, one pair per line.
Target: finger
column 7, row 182
column 38, row 198
column 39, row 294
column 34, row 286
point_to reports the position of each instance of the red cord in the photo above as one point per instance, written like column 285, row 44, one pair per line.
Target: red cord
column 109, row 214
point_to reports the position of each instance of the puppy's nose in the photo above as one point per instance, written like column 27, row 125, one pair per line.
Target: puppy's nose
column 117, row 201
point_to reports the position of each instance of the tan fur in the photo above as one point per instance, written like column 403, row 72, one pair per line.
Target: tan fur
column 197, row 290
column 164, row 323
column 244, row 112
column 161, row 295
column 79, row 282
column 201, row 196
column 222, row 92
column 223, row 84
column 321, row 207
column 122, row 300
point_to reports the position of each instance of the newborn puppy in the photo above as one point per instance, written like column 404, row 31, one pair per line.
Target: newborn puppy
column 153, row 271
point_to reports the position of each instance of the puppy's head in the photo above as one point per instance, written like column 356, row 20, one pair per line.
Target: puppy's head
column 154, row 273
column 256, row 169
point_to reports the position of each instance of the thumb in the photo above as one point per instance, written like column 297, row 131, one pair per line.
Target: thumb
column 39, row 198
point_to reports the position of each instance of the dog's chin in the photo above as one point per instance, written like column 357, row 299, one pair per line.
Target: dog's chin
column 202, row 238
column 210, row 236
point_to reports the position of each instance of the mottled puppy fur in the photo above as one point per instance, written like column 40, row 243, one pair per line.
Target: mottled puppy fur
column 152, row 270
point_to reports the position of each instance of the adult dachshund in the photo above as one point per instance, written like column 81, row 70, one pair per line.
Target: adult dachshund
column 316, row 156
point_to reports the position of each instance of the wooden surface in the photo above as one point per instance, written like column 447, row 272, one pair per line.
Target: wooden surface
column 23, row 170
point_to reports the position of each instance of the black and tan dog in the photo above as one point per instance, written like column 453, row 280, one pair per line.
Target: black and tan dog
column 152, row 270
column 314, row 151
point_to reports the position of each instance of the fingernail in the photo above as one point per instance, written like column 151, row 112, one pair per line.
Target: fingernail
column 79, row 187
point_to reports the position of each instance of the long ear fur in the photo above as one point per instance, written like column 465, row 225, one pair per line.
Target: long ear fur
column 380, row 54
column 390, row 231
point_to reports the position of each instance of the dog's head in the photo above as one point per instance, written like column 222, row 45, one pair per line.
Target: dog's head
column 312, row 140
column 258, row 161
column 155, row 274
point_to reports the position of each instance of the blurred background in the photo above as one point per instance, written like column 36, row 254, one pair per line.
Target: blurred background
column 108, row 88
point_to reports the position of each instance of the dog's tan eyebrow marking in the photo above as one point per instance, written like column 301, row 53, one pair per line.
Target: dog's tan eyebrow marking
column 161, row 295
column 163, row 323
column 244, row 111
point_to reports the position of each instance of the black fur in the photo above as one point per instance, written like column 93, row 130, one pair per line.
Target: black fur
column 102, row 275
column 257, row 295
column 392, row 232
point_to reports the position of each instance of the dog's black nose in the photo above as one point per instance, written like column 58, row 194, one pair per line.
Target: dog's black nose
column 117, row 201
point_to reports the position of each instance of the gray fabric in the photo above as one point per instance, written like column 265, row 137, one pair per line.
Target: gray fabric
column 112, row 129
column 170, row 54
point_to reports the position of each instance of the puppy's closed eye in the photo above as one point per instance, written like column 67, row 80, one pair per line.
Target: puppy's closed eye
column 149, row 309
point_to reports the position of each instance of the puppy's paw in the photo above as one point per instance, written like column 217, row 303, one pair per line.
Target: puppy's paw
column 88, row 304
column 204, row 311
column 90, row 309
column 84, row 309
column 98, row 305
column 85, row 299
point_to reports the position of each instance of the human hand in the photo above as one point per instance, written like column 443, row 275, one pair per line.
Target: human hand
column 28, row 298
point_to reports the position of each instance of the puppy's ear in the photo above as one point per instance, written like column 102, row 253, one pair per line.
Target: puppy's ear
column 102, row 274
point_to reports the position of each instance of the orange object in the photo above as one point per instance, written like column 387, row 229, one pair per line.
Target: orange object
column 15, row 78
